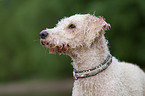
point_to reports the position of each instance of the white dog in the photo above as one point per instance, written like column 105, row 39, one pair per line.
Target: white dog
column 96, row 72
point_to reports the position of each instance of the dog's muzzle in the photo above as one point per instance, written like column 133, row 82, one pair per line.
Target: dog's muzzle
column 51, row 46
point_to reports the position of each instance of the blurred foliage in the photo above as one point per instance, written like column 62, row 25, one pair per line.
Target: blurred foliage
column 21, row 55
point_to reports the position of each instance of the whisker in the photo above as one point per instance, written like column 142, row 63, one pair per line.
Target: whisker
column 46, row 51
column 36, row 40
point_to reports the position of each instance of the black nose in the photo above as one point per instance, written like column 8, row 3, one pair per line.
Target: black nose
column 43, row 34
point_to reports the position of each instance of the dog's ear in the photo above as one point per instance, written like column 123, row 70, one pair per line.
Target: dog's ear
column 96, row 27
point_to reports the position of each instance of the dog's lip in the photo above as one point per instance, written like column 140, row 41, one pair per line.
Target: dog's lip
column 54, row 48
column 42, row 41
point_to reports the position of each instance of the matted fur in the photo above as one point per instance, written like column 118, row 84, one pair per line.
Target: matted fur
column 87, row 46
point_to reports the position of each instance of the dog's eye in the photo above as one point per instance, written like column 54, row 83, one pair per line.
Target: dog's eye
column 71, row 26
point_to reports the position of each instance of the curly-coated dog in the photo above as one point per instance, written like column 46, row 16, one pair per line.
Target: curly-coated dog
column 96, row 72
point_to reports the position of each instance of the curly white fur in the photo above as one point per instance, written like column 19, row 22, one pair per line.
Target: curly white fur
column 88, row 47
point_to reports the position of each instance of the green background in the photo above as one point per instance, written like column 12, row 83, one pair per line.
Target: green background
column 22, row 58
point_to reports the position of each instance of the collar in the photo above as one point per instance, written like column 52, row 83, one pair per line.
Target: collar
column 94, row 71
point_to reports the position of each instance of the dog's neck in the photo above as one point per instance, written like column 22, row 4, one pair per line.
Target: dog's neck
column 87, row 58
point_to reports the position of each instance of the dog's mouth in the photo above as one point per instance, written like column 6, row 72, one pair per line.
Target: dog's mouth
column 54, row 48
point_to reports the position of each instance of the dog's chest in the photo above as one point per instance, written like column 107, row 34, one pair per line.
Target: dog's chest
column 95, row 86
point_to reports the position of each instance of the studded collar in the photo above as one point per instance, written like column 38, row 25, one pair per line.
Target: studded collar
column 94, row 71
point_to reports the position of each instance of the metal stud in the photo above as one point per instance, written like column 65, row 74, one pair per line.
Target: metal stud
column 94, row 71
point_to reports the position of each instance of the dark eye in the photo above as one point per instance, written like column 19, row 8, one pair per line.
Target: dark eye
column 71, row 26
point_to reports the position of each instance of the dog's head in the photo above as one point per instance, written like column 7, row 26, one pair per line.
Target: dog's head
column 74, row 32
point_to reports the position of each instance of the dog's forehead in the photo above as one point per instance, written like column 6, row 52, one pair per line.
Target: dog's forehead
column 72, row 19
column 77, row 17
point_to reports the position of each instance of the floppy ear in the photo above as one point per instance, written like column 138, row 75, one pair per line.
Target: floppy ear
column 96, row 27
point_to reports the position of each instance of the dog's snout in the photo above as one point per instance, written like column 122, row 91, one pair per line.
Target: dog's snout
column 43, row 34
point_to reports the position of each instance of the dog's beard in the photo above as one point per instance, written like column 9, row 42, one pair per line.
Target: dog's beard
column 54, row 48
